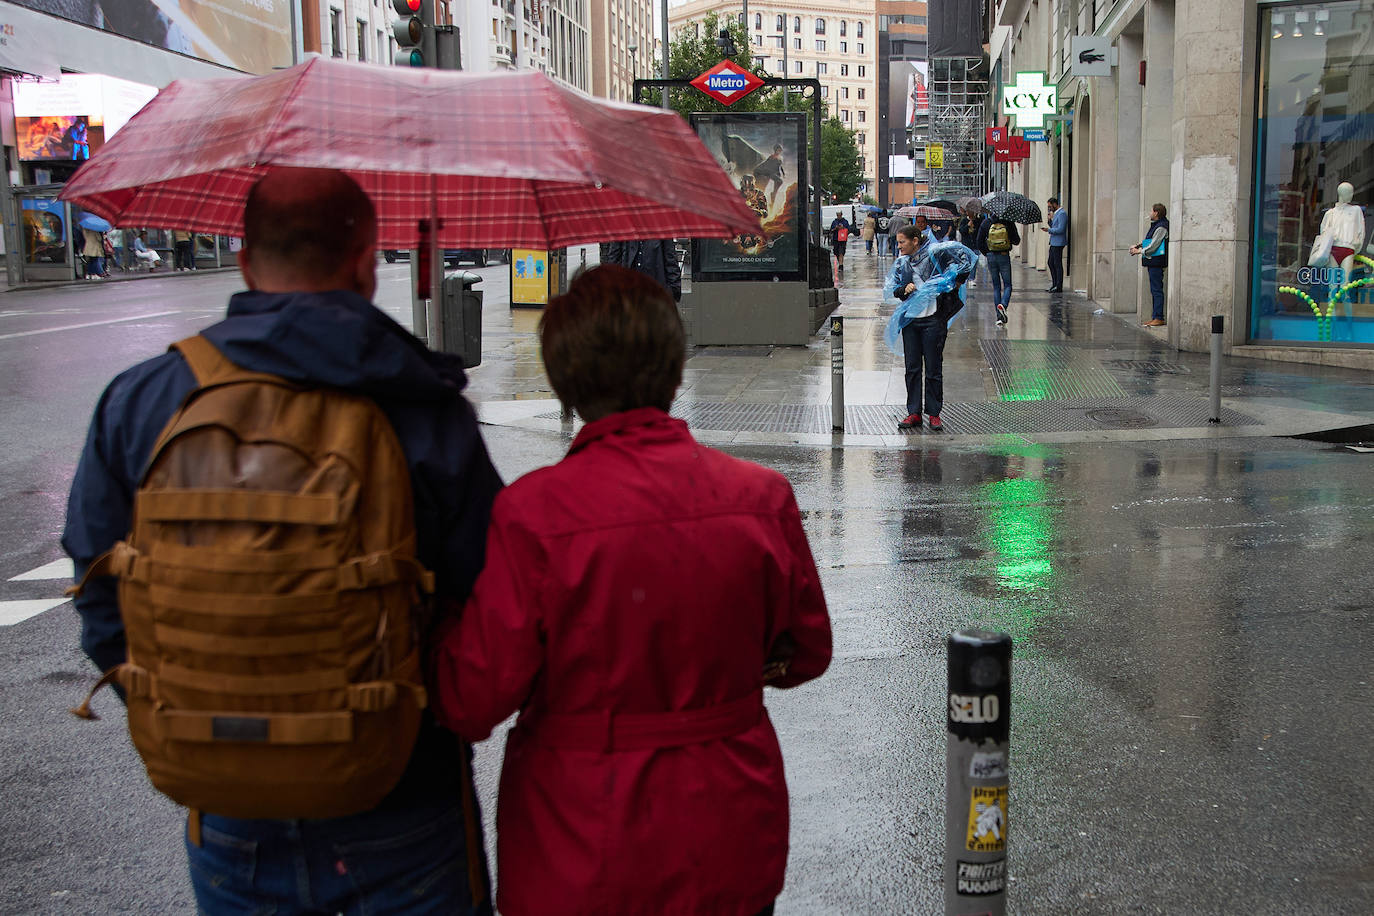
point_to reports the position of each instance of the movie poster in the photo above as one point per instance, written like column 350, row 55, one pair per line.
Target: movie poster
column 44, row 224
column 764, row 155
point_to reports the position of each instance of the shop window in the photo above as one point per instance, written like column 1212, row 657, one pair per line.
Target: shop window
column 1314, row 176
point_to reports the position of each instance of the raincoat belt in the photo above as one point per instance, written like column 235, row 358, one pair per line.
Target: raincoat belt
column 607, row 732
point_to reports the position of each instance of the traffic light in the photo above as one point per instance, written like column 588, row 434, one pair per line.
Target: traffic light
column 414, row 32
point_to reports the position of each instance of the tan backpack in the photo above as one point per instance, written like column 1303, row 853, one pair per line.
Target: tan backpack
column 269, row 590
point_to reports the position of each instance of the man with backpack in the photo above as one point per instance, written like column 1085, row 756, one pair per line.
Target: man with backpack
column 839, row 238
column 995, row 239
column 255, row 518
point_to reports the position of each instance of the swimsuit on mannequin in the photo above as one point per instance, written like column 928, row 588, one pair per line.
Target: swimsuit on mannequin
column 1345, row 224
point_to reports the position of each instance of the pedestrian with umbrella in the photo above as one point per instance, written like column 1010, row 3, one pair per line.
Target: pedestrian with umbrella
column 996, row 238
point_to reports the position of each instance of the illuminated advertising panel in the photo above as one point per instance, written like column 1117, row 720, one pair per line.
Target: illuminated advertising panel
column 69, row 119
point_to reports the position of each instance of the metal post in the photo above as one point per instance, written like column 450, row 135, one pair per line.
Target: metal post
column 664, row 35
column 419, row 315
column 836, row 372
column 978, row 722
column 1218, row 324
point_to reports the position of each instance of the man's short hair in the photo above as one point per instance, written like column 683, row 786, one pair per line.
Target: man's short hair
column 307, row 221
column 1163, row 210
column 1055, row 201
column 909, row 230
column 614, row 341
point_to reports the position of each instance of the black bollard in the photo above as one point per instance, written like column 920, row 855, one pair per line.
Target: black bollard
column 978, row 723
column 837, row 373
column 1218, row 323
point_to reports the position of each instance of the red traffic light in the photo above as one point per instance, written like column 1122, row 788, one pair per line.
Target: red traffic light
column 407, row 7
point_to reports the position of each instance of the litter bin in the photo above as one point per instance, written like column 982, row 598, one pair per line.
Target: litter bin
column 462, row 313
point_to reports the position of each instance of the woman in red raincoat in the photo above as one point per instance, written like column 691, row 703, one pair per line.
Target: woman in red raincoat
column 636, row 598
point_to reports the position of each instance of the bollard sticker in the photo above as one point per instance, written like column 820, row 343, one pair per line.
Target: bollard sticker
column 988, row 765
column 977, row 879
column 987, row 819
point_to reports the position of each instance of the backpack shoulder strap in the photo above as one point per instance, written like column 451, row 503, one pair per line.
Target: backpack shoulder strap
column 210, row 366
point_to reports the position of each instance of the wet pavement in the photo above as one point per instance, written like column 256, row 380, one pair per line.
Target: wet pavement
column 1061, row 371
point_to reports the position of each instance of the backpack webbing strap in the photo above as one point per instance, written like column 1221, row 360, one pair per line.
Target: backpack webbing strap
column 211, row 367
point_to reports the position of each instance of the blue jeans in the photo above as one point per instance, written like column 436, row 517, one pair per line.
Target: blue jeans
column 1156, row 292
column 999, row 265
column 923, row 341
column 403, row 862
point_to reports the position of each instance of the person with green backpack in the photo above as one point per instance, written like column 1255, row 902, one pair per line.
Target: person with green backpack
column 995, row 239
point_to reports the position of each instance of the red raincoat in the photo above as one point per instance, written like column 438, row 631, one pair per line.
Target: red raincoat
column 632, row 595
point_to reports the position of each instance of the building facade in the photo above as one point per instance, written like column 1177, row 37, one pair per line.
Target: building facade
column 549, row 35
column 623, row 45
column 834, row 41
column 1253, row 123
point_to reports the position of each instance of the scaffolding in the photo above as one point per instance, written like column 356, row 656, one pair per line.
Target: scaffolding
column 958, row 94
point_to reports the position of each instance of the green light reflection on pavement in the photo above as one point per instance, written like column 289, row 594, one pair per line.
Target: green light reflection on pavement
column 1027, row 385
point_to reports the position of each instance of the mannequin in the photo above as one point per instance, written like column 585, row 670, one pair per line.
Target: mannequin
column 1345, row 224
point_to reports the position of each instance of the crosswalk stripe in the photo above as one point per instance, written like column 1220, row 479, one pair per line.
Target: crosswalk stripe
column 57, row 569
column 12, row 612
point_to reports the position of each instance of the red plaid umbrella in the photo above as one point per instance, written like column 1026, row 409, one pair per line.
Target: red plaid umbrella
column 507, row 160
column 927, row 211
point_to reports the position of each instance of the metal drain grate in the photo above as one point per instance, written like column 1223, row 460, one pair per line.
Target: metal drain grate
column 991, row 418
column 1038, row 370
column 1147, row 366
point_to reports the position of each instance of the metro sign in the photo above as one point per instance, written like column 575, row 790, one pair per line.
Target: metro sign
column 727, row 82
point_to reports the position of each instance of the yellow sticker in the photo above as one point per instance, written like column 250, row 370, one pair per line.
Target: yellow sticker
column 987, row 819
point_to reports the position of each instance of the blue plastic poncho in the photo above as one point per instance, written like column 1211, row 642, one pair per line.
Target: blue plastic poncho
column 934, row 269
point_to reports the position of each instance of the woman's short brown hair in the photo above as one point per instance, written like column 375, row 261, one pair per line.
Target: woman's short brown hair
column 613, row 342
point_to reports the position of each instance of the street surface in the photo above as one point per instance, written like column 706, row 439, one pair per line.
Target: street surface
column 1190, row 692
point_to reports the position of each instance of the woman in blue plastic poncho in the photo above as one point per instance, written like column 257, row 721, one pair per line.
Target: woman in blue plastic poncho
column 927, row 280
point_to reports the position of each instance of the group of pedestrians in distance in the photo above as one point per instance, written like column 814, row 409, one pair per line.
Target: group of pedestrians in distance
column 259, row 602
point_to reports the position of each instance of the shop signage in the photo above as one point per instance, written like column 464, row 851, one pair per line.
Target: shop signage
column 994, row 136
column 1014, row 150
column 727, row 82
column 935, row 155
column 1029, row 99
column 1091, row 55
column 1034, row 136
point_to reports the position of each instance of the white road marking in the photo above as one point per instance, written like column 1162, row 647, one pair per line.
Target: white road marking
column 89, row 324
column 12, row 612
column 57, row 569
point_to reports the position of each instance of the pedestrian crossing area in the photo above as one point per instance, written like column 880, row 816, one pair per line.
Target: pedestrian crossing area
column 58, row 572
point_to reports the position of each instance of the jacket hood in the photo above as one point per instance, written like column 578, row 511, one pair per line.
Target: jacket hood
column 336, row 339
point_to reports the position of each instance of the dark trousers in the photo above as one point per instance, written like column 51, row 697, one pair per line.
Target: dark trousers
column 185, row 256
column 1156, row 292
column 1056, row 266
column 923, row 349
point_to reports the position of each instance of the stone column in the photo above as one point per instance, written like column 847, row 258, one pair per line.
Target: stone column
column 1210, row 169
column 1156, row 129
column 1127, row 226
column 1101, row 159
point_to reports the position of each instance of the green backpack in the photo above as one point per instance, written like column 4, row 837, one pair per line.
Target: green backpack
column 998, row 239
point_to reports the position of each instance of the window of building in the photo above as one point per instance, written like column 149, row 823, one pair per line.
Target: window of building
column 781, row 24
column 778, row 41
column 796, row 23
column 796, row 44
column 861, row 93
column 797, row 66
column 844, row 115
column 862, row 68
column 858, row 30
column 1313, row 176
column 336, row 33
column 777, row 65
column 825, row 92
column 758, row 20
column 860, row 139
column 843, row 27
column 844, row 92
column 820, row 44
column 844, row 47
column 820, row 26
column 822, row 69
column 362, row 40
column 844, row 69
column 863, row 116
column 859, row 48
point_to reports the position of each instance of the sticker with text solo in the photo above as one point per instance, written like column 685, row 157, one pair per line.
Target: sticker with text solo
column 987, row 819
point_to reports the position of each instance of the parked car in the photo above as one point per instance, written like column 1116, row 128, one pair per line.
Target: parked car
column 455, row 256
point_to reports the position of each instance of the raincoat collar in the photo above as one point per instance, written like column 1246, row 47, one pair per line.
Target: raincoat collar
column 336, row 339
column 627, row 421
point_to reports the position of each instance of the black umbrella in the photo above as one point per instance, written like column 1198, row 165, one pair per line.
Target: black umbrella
column 1013, row 207
column 943, row 203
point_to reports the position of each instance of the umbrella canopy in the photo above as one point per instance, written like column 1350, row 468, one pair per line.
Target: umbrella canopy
column 965, row 202
column 505, row 159
column 876, row 211
column 927, row 211
column 1009, row 205
column 94, row 223
column 942, row 203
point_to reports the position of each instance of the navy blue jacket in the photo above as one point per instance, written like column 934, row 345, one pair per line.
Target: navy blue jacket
column 334, row 339
column 654, row 257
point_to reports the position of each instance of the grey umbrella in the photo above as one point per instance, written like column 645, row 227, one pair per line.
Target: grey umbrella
column 1013, row 207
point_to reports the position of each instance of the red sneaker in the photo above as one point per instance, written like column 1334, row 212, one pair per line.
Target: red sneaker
column 935, row 423
column 911, row 422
